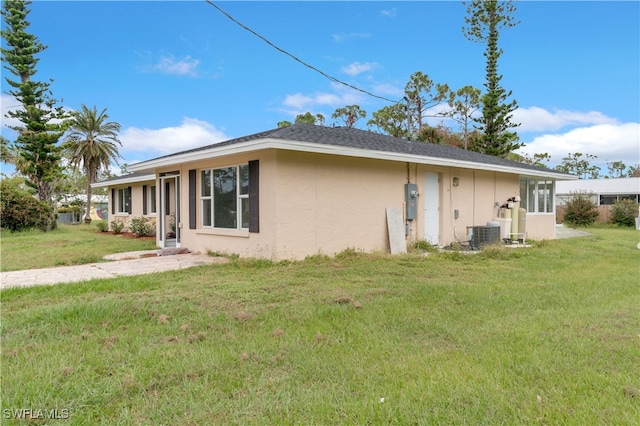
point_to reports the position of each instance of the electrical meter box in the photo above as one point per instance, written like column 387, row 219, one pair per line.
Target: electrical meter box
column 411, row 200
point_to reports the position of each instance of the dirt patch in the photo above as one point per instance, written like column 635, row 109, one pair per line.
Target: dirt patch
column 129, row 235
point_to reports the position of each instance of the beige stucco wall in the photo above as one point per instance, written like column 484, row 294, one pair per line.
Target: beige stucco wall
column 541, row 226
column 316, row 203
column 243, row 243
column 136, row 204
column 328, row 203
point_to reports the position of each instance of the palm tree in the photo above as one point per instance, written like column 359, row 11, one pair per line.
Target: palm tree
column 91, row 144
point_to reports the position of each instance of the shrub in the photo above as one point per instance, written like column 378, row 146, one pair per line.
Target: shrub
column 103, row 226
column 20, row 210
column 140, row 226
column 423, row 246
column 580, row 210
column 624, row 213
column 117, row 227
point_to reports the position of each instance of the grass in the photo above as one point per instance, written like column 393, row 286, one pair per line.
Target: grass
column 547, row 335
column 66, row 245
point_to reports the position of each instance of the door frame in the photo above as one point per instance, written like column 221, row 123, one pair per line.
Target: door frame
column 164, row 179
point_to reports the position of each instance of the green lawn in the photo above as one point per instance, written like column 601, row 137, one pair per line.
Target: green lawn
column 67, row 245
column 546, row 335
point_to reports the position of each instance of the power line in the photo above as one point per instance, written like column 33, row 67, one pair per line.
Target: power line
column 331, row 78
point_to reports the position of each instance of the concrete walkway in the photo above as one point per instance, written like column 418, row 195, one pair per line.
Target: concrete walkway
column 564, row 232
column 121, row 264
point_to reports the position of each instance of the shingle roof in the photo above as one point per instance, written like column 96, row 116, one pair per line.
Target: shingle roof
column 366, row 140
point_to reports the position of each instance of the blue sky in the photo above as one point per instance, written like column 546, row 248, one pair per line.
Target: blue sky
column 180, row 74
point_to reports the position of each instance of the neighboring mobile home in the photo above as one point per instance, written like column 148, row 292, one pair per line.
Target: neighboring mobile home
column 301, row 190
column 602, row 192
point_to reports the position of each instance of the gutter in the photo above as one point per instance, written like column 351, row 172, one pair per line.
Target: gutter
column 270, row 143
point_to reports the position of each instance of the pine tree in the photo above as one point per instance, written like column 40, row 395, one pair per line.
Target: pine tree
column 485, row 19
column 40, row 129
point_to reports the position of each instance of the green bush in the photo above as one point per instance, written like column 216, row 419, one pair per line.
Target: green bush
column 140, row 227
column 73, row 207
column 103, row 226
column 20, row 210
column 117, row 227
column 580, row 210
column 624, row 213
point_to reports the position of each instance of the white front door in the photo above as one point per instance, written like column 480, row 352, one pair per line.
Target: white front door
column 431, row 208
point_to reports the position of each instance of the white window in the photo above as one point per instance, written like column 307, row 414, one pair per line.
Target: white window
column 124, row 198
column 152, row 200
column 537, row 195
column 224, row 197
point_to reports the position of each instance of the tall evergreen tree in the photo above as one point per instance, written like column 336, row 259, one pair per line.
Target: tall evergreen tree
column 37, row 136
column 484, row 21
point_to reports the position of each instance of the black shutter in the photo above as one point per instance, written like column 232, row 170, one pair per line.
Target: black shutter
column 167, row 200
column 113, row 201
column 192, row 199
column 144, row 199
column 254, row 192
column 129, row 191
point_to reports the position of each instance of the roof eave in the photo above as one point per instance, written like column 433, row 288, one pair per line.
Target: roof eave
column 123, row 181
column 270, row 143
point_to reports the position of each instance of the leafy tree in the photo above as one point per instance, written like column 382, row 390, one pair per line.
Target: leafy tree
column 634, row 171
column 421, row 95
column 307, row 118
column 616, row 169
column 576, row 165
column 391, row 120
column 5, row 151
column 92, row 144
column 464, row 103
column 484, row 21
column 430, row 134
column 407, row 120
column 350, row 114
column 538, row 159
column 40, row 129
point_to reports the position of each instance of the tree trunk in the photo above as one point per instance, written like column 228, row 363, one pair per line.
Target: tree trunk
column 87, row 218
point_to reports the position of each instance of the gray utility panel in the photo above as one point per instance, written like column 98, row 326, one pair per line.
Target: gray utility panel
column 411, row 199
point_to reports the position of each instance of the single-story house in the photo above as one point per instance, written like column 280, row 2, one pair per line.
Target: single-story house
column 131, row 195
column 602, row 192
column 301, row 190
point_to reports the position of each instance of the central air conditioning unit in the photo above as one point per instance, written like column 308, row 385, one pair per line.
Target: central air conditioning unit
column 482, row 235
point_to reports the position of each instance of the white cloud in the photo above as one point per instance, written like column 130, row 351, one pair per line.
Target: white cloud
column 388, row 89
column 536, row 119
column 343, row 37
column 356, row 68
column 191, row 133
column 300, row 103
column 391, row 13
column 609, row 142
column 186, row 66
column 9, row 103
